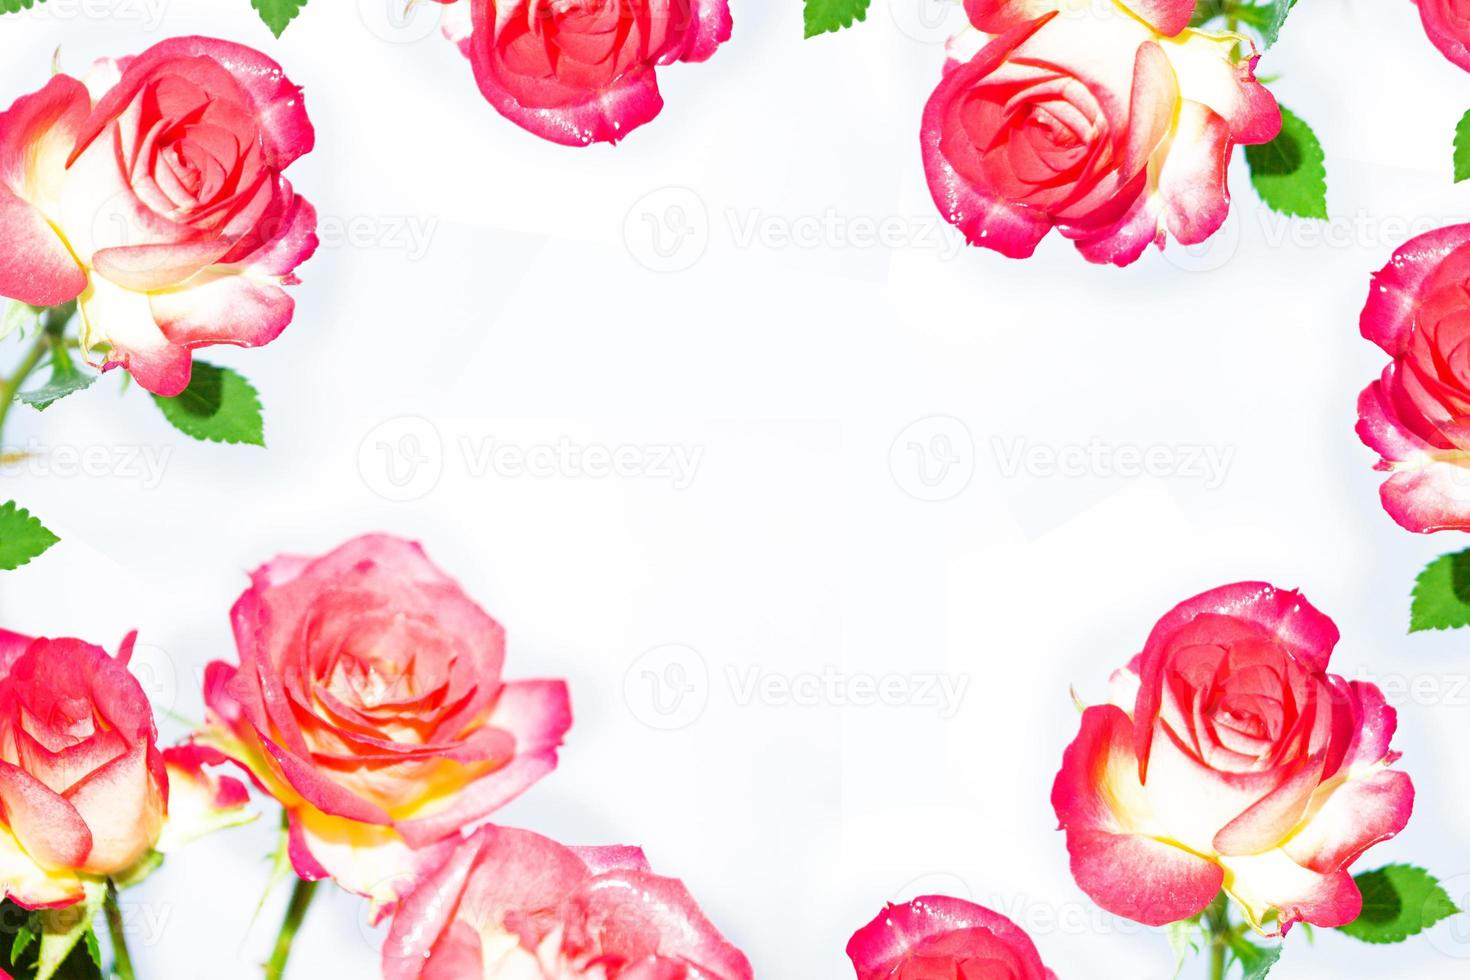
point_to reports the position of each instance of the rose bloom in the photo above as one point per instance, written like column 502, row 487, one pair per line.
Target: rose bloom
column 581, row 71
column 1448, row 24
column 1230, row 758
column 152, row 193
column 82, row 781
column 369, row 702
column 938, row 938
column 1417, row 415
column 512, row 905
column 1112, row 123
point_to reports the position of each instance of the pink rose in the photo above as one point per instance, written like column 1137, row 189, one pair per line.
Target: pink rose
column 1113, row 124
column 1230, row 758
column 82, row 782
column 583, row 71
column 1448, row 25
column 1417, row 415
column 369, row 702
column 157, row 200
column 937, row 938
column 512, row 905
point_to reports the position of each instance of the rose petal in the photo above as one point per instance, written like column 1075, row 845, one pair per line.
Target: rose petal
column 1102, row 807
column 35, row 133
column 1388, row 316
column 277, row 102
column 1350, row 819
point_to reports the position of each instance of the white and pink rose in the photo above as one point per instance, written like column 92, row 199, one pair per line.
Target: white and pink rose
column 1230, row 758
column 152, row 191
column 1112, row 123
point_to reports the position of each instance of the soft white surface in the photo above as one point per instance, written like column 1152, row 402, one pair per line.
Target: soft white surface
column 521, row 315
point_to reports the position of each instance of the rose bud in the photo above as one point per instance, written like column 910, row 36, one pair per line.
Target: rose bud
column 82, row 781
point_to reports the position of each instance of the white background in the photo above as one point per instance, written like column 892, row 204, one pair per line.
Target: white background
column 807, row 377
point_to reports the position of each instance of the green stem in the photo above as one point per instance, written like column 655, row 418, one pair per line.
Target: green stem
column 275, row 967
column 122, row 963
column 10, row 387
column 1217, row 927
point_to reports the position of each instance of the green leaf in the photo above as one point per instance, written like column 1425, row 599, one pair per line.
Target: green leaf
column 1399, row 901
column 1442, row 595
column 25, row 936
column 1462, row 150
column 825, row 16
column 138, row 870
column 1255, row 961
column 276, row 13
column 21, row 962
column 16, row 6
column 94, row 952
column 66, row 379
column 218, row 406
column 62, row 929
column 1185, row 939
column 19, row 317
column 1266, row 16
column 1290, row 172
column 1274, row 14
column 22, row 537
